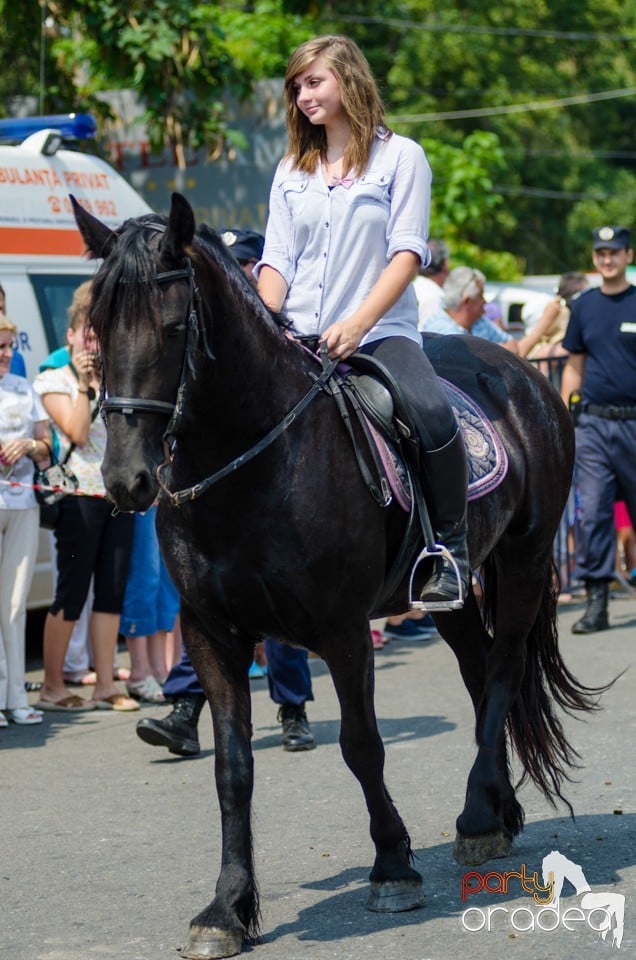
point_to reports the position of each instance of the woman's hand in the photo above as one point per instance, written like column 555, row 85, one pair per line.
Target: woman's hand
column 11, row 452
column 84, row 363
column 343, row 338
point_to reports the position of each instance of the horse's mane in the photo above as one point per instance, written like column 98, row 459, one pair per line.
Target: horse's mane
column 126, row 286
column 209, row 240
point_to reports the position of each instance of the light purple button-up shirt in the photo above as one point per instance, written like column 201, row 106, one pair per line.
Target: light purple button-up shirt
column 331, row 245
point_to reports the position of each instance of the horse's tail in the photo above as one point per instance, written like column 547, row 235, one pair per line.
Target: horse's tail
column 535, row 730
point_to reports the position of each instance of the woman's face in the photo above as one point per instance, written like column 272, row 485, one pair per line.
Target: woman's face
column 6, row 351
column 318, row 94
column 82, row 340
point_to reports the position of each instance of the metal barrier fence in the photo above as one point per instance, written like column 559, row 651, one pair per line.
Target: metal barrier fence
column 566, row 542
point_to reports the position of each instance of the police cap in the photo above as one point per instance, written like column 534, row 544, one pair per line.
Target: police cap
column 244, row 244
column 612, row 238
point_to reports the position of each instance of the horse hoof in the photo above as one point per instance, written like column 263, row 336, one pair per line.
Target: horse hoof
column 471, row 851
column 395, row 896
column 210, row 943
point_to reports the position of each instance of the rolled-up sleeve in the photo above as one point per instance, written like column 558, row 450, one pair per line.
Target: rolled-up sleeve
column 407, row 228
column 279, row 232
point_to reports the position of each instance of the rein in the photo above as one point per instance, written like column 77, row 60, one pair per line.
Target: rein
column 128, row 406
column 192, row 493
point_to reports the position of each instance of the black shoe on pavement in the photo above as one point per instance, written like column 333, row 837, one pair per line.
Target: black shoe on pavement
column 178, row 731
column 297, row 733
column 595, row 617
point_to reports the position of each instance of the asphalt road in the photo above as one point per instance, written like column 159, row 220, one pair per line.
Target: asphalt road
column 110, row 846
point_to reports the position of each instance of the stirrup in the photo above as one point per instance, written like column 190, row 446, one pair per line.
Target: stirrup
column 438, row 550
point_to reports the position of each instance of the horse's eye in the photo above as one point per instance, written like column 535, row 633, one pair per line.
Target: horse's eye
column 175, row 330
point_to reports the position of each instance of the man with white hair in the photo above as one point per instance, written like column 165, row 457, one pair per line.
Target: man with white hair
column 463, row 313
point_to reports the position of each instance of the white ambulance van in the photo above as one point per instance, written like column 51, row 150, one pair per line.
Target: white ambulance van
column 41, row 261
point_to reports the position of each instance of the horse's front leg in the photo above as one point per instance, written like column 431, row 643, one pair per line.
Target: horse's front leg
column 395, row 885
column 222, row 665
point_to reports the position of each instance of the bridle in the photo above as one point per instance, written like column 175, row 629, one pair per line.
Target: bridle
column 129, row 406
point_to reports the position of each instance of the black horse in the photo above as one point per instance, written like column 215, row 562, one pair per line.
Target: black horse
column 283, row 539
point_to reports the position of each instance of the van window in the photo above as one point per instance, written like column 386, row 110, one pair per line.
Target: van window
column 54, row 293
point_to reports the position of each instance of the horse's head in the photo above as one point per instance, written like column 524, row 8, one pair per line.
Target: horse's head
column 141, row 311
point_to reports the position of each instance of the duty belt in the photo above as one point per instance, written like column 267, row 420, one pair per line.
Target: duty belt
column 610, row 411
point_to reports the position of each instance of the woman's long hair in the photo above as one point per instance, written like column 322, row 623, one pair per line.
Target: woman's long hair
column 360, row 97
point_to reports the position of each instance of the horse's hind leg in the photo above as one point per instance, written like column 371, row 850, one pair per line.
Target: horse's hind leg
column 395, row 885
column 232, row 916
column 492, row 814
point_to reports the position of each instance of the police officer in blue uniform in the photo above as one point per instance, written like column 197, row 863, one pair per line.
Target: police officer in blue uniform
column 599, row 384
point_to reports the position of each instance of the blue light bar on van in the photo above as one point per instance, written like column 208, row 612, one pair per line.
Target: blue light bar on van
column 72, row 126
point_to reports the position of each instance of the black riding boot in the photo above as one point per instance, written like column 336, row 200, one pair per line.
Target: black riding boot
column 178, row 731
column 446, row 483
column 595, row 616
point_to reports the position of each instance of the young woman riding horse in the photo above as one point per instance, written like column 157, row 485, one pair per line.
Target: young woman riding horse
column 268, row 529
column 347, row 228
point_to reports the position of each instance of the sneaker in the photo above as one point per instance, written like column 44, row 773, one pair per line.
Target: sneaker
column 257, row 671
column 411, row 629
column 297, row 733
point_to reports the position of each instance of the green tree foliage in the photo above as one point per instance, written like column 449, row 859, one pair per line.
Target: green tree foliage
column 522, row 185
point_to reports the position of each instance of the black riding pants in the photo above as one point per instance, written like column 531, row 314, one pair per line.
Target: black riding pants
column 409, row 365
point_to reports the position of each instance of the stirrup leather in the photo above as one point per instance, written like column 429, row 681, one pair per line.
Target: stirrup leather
column 438, row 550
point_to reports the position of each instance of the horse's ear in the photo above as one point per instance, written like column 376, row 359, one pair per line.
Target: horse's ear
column 96, row 234
column 181, row 226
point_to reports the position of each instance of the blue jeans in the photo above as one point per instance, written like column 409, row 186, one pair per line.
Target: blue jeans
column 151, row 601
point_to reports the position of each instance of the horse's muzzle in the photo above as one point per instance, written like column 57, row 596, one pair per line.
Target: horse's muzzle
column 131, row 491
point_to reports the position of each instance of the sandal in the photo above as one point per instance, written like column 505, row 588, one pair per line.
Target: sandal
column 70, row 704
column 147, row 690
column 81, row 678
column 116, row 701
column 25, row 715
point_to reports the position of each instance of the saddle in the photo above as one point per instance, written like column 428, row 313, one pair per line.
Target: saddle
column 370, row 390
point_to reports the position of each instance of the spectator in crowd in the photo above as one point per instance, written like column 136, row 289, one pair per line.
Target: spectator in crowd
column 558, row 309
column 90, row 541
column 77, row 662
column 17, row 365
column 429, row 282
column 289, row 681
column 24, row 440
column 151, row 606
column 599, row 384
column 463, row 313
